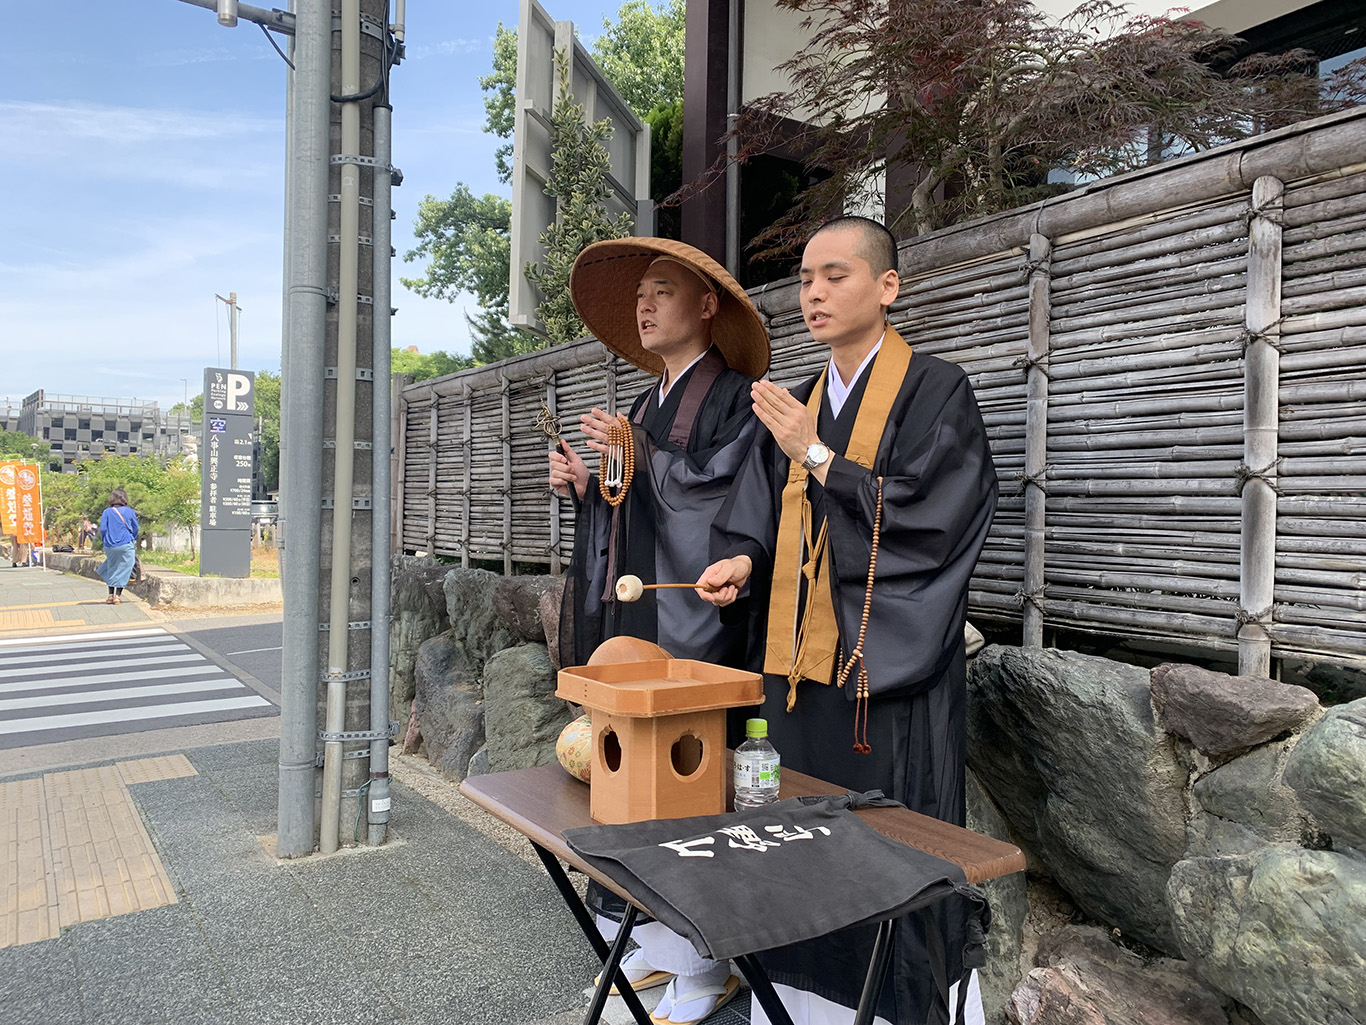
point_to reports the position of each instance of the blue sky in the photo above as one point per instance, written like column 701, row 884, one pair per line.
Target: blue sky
column 143, row 174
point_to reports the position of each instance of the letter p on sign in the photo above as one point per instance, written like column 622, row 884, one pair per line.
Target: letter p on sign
column 238, row 388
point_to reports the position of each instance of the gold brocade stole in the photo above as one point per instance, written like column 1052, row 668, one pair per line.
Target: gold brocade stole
column 804, row 647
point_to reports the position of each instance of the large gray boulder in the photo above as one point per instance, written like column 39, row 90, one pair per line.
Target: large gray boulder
column 1222, row 714
column 1244, row 804
column 523, row 716
column 1282, row 930
column 550, row 620
column 1327, row 770
column 1083, row 978
column 489, row 612
column 1066, row 746
column 449, row 705
column 1009, row 902
column 417, row 612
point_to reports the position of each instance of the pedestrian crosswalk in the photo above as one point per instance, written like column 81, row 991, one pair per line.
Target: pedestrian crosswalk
column 73, row 686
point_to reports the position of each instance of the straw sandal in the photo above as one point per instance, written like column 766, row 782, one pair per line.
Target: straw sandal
column 639, row 973
column 670, row 1001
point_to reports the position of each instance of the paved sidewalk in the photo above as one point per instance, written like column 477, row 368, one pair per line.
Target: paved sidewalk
column 152, row 896
column 442, row 925
column 37, row 601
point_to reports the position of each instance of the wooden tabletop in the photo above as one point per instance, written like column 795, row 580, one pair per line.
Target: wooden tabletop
column 543, row 802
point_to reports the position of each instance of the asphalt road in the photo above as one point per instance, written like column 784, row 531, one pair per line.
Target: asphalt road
column 248, row 646
column 250, row 643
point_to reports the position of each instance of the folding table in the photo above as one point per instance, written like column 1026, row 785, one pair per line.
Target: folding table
column 542, row 802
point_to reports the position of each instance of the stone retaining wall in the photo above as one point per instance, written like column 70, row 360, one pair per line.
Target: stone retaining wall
column 179, row 590
column 1215, row 825
column 1196, row 841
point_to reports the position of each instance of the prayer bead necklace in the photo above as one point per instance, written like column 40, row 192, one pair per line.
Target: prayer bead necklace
column 617, row 470
column 861, row 696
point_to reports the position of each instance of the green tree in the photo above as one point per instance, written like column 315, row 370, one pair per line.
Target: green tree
column 578, row 181
column 17, row 445
column 174, row 498
column 268, row 417
column 465, row 239
column 424, row 366
column 194, row 408
column 466, row 242
column 666, row 165
column 66, row 498
column 641, row 53
column 500, row 103
column 977, row 102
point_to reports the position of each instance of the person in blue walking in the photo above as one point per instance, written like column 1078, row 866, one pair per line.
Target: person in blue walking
column 119, row 532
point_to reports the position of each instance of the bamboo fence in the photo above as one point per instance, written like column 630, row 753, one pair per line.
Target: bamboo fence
column 1170, row 367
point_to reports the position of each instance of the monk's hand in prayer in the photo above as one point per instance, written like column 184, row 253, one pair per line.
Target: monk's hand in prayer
column 567, row 468
column 595, row 424
column 720, row 582
column 788, row 420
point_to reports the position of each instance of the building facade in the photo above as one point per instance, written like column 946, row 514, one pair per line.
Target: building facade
column 78, row 427
column 734, row 48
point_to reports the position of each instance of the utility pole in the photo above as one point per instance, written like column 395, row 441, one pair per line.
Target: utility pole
column 233, row 310
column 335, row 423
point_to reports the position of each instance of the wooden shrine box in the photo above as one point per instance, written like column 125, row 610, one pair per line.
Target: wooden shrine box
column 659, row 734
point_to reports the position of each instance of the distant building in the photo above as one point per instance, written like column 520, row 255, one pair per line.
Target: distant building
column 9, row 415
column 1334, row 31
column 78, row 427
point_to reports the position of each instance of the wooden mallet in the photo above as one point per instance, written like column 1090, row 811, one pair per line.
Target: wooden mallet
column 630, row 588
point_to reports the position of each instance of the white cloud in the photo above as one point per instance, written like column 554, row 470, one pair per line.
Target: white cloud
column 124, row 125
column 199, row 55
column 450, row 47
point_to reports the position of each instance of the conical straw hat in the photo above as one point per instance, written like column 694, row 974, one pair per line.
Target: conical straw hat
column 603, row 286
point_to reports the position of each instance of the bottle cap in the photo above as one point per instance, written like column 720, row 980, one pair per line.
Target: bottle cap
column 756, row 727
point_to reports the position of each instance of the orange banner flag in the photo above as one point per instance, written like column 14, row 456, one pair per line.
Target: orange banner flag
column 9, row 498
column 29, row 485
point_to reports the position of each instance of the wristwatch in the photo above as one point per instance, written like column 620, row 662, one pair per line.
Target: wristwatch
column 815, row 455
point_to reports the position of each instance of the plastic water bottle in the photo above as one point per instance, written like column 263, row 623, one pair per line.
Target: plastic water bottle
column 755, row 768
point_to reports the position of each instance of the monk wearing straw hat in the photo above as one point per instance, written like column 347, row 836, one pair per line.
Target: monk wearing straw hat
column 675, row 313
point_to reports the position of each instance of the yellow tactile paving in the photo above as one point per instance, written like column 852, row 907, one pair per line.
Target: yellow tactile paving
column 26, row 619
column 149, row 770
column 73, row 848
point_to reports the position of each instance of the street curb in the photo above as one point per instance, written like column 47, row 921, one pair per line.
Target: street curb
column 178, row 590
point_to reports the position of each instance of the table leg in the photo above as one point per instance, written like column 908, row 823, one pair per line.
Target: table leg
column 877, row 972
column 611, row 958
column 763, row 989
column 612, row 968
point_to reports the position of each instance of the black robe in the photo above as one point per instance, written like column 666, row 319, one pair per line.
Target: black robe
column 661, row 529
column 939, row 496
column 661, row 535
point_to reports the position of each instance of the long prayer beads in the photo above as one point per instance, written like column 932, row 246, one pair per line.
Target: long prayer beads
column 609, row 475
column 861, row 697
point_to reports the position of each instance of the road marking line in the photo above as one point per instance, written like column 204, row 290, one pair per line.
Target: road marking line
column 58, row 722
column 59, row 638
column 82, row 681
column 119, row 694
column 161, row 645
column 193, row 656
column 70, row 646
column 252, row 651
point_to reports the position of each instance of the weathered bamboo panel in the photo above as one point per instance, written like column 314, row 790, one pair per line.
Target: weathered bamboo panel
column 1109, row 337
